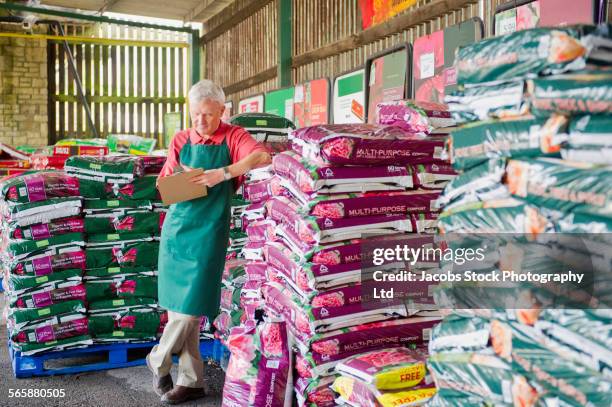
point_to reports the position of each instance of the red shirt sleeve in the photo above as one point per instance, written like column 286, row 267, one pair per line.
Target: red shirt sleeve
column 174, row 149
column 241, row 144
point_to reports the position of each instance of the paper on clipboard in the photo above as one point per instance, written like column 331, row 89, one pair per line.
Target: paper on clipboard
column 178, row 187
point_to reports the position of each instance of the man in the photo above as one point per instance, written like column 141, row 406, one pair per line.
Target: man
column 195, row 236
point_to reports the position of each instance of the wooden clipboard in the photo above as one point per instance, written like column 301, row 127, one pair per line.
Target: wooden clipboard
column 178, row 187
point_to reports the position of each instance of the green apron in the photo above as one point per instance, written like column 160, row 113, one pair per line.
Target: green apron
column 194, row 240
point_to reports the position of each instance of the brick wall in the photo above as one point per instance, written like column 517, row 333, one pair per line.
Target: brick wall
column 23, row 88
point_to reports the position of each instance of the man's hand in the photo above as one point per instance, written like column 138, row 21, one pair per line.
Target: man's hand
column 210, row 178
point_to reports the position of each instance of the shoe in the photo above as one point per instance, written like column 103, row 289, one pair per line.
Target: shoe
column 181, row 394
column 161, row 385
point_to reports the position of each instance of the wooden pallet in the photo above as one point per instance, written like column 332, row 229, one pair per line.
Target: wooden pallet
column 106, row 356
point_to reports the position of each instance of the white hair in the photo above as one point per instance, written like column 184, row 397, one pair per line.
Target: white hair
column 206, row 89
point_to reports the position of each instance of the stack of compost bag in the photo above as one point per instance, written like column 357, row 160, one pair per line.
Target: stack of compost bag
column 247, row 217
column 232, row 311
column 122, row 228
column 536, row 108
column 345, row 183
column 43, row 259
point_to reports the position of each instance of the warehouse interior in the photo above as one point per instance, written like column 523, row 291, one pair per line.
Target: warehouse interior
column 418, row 116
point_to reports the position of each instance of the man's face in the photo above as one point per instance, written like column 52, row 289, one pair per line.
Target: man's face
column 206, row 116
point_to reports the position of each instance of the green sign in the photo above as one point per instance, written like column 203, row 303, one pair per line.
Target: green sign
column 172, row 125
column 349, row 98
column 280, row 102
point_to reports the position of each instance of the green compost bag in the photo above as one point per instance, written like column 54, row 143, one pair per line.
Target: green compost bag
column 587, row 222
column 121, row 304
column 19, row 285
column 502, row 216
column 139, row 321
column 97, row 206
column 580, row 329
column 133, row 254
column 117, row 165
column 60, row 344
column 61, row 327
column 261, row 125
column 488, row 102
column 143, row 188
column 521, row 54
column 481, row 375
column 590, row 131
column 572, row 94
column 589, row 140
column 46, row 296
column 130, row 144
column 40, row 212
column 561, row 185
column 44, row 230
column 137, row 286
column 459, row 334
column 118, row 272
column 480, row 183
column 136, row 221
column 451, row 398
column 474, row 144
column 560, row 371
column 20, row 316
column 118, row 239
column 140, row 222
column 21, row 249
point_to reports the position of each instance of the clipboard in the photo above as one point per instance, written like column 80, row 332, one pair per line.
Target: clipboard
column 178, row 187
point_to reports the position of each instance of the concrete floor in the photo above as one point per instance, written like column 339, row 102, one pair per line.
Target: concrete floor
column 129, row 387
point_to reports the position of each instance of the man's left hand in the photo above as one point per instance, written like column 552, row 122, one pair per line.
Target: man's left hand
column 210, row 178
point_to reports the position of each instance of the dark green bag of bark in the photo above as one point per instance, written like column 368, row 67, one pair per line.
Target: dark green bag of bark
column 146, row 322
column 140, row 188
column 118, row 272
column 31, row 348
column 115, row 204
column 590, row 131
column 90, row 189
column 121, row 288
column 115, row 165
column 137, row 254
column 561, row 185
column 484, row 177
column 116, row 239
column 140, row 222
column 474, row 144
column 503, row 216
column 114, row 305
column 22, row 315
column 572, row 94
column 96, row 225
column 25, row 247
column 521, row 54
column 17, row 284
